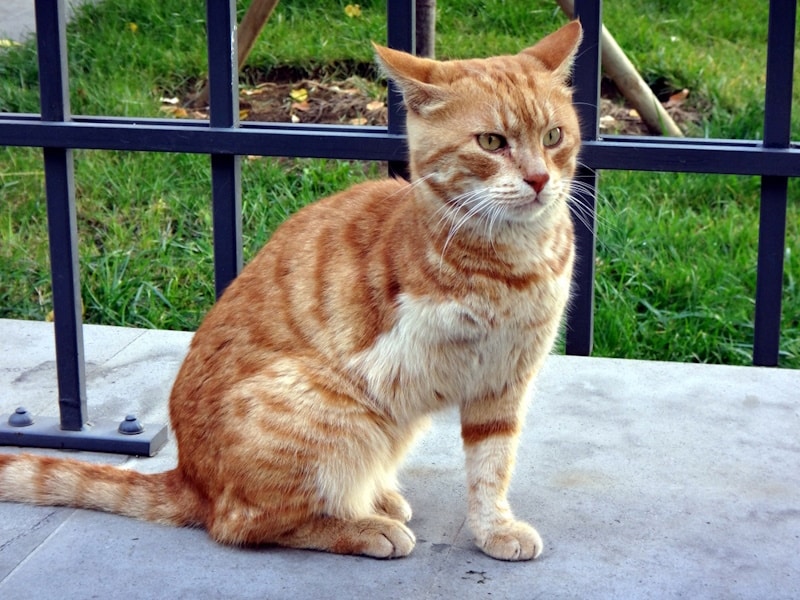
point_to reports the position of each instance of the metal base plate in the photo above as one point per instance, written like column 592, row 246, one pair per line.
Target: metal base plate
column 101, row 436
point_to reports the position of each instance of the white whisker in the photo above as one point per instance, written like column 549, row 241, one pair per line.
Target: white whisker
column 584, row 166
column 403, row 192
column 478, row 206
column 585, row 210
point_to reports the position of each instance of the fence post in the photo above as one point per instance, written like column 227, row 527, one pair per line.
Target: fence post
column 72, row 430
column 223, row 82
column 586, row 81
column 61, row 217
column 401, row 35
column 772, row 217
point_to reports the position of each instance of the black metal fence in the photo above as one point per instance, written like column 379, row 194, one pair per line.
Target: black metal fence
column 774, row 159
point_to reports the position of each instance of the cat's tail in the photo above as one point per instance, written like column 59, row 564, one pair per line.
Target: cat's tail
column 161, row 497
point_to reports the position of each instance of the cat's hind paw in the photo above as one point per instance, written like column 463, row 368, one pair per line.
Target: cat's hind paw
column 511, row 540
column 376, row 536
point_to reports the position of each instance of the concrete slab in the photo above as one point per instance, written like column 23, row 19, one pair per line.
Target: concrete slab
column 23, row 529
column 646, row 480
column 32, row 374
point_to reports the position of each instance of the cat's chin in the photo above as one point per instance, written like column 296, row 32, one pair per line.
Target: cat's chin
column 528, row 209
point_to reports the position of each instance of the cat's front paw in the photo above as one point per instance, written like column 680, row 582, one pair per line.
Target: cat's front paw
column 392, row 504
column 511, row 540
column 381, row 537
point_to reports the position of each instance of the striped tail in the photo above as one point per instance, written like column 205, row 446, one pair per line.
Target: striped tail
column 161, row 497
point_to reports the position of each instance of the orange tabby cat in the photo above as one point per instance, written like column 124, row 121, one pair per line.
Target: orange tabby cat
column 367, row 311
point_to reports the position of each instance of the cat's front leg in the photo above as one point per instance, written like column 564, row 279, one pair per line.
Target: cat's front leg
column 490, row 431
column 391, row 503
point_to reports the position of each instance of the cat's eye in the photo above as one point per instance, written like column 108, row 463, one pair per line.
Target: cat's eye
column 491, row 141
column 552, row 137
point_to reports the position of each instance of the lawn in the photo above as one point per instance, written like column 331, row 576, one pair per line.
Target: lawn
column 676, row 253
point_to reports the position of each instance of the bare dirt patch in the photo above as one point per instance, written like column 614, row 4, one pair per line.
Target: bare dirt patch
column 359, row 101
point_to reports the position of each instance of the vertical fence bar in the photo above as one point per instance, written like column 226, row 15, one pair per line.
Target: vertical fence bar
column 61, row 217
column 586, row 81
column 401, row 35
column 772, row 212
column 769, row 274
column 223, row 81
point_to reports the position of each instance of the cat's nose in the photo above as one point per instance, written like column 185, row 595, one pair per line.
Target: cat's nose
column 537, row 181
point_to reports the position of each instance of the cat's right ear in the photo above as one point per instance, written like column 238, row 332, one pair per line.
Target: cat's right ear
column 557, row 51
column 414, row 76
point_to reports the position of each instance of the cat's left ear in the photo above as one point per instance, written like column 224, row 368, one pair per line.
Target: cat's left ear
column 557, row 51
column 414, row 75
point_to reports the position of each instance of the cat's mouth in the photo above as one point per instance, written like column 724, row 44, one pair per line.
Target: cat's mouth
column 529, row 206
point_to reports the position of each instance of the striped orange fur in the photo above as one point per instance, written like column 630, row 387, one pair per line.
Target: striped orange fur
column 367, row 311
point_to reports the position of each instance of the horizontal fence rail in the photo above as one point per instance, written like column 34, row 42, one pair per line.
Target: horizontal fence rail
column 685, row 155
column 224, row 139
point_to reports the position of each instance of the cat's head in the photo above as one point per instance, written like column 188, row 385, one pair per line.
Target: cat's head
column 496, row 135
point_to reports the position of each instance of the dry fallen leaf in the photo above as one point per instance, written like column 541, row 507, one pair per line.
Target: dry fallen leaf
column 375, row 105
column 633, row 113
column 295, row 119
column 243, row 114
column 300, row 95
column 301, row 106
column 678, row 97
column 175, row 111
column 358, row 121
column 607, row 122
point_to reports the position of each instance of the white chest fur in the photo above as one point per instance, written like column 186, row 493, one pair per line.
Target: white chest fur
column 446, row 352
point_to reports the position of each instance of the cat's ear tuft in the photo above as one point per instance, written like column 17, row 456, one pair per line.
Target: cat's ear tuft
column 414, row 76
column 557, row 51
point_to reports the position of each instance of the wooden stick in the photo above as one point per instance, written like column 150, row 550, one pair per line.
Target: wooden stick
column 257, row 15
column 622, row 72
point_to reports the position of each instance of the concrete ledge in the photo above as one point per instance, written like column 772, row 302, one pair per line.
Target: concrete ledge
column 646, row 480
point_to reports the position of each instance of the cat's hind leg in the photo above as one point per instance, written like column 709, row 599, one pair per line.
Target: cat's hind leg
column 310, row 469
column 376, row 536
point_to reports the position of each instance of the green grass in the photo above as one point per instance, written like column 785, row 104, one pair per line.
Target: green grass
column 676, row 253
column 144, row 223
column 676, row 270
